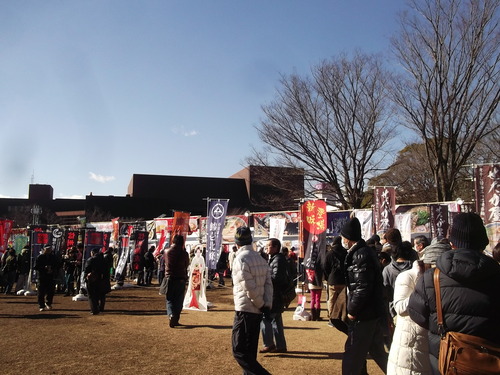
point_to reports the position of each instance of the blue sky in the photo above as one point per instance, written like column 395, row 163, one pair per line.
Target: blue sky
column 92, row 92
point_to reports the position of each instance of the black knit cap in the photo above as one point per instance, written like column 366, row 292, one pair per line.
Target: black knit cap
column 468, row 232
column 352, row 230
column 243, row 236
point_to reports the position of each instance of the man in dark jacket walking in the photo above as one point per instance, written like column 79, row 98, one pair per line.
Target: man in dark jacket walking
column 470, row 293
column 46, row 265
column 273, row 334
column 365, row 302
column 94, row 274
column 176, row 265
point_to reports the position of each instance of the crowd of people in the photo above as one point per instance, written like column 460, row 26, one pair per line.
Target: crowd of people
column 379, row 292
column 385, row 304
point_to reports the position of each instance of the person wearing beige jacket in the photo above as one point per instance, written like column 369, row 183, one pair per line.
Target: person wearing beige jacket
column 253, row 296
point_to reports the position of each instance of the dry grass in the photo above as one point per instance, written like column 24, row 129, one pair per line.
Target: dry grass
column 133, row 337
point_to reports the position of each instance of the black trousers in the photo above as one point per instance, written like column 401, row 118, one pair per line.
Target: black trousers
column 46, row 290
column 97, row 296
column 364, row 337
column 245, row 341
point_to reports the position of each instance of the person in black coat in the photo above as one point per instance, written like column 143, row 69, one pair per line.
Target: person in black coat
column 470, row 292
column 365, row 302
column 335, row 273
column 46, row 264
column 222, row 266
column 94, row 275
column 149, row 265
column 273, row 334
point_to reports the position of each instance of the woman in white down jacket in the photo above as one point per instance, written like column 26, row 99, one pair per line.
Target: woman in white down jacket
column 409, row 352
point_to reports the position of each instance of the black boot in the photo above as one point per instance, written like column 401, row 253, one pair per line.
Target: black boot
column 313, row 314
column 174, row 321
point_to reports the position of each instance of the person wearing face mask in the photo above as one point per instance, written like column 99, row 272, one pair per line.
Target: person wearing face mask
column 365, row 302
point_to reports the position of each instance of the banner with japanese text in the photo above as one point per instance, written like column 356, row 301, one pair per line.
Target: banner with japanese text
column 5, row 229
column 313, row 235
column 277, row 228
column 216, row 215
column 71, row 238
column 39, row 238
column 384, row 207
column 439, row 220
column 487, row 181
column 140, row 239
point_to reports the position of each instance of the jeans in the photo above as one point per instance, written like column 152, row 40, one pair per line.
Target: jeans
column 272, row 329
column 69, row 279
column 149, row 276
column 245, row 341
column 175, row 296
column 364, row 337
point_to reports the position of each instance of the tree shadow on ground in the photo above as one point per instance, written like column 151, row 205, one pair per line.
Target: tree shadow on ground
column 44, row 316
column 306, row 355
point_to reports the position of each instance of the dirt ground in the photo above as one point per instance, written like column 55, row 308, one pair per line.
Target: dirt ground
column 133, row 337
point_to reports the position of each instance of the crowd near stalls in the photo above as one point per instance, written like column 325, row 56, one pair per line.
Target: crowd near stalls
column 377, row 286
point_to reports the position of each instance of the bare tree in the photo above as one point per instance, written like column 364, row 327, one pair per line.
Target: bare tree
column 410, row 174
column 333, row 125
column 449, row 93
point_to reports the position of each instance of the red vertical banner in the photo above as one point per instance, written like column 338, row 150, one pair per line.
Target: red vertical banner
column 116, row 229
column 5, row 229
column 384, row 207
column 181, row 224
column 439, row 220
column 70, row 238
column 313, row 233
column 487, row 184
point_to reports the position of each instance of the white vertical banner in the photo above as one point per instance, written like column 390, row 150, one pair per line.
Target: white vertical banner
column 277, row 228
column 365, row 218
column 403, row 223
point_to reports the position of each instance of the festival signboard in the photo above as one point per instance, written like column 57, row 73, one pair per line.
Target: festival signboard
column 262, row 223
column 488, row 199
column 313, row 234
column 384, row 207
column 439, row 220
column 217, row 209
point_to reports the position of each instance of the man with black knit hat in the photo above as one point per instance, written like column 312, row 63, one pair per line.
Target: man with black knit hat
column 365, row 302
column 470, row 293
column 253, row 296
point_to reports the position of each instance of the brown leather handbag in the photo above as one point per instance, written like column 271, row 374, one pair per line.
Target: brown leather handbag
column 463, row 354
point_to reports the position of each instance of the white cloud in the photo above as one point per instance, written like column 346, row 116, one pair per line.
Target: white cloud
column 71, row 196
column 100, row 178
column 184, row 132
column 24, row 196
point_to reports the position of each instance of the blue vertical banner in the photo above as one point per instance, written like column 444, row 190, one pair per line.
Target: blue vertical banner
column 216, row 217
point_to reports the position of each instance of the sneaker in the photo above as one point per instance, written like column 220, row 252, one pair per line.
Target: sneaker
column 267, row 349
column 41, row 309
column 49, row 307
